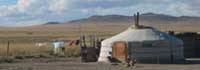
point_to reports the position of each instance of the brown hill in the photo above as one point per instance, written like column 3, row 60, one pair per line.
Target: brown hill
column 117, row 23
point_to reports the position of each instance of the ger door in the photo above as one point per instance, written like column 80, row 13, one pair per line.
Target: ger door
column 119, row 51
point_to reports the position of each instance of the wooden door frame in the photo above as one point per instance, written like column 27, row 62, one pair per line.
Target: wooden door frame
column 126, row 48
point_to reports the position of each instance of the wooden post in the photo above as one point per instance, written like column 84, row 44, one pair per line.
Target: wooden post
column 8, row 48
column 91, row 40
column 81, row 41
column 84, row 43
column 94, row 41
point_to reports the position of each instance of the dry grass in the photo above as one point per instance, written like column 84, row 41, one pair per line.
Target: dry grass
column 28, row 50
column 23, row 42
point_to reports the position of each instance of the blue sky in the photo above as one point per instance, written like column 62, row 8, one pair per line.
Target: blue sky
column 34, row 12
column 7, row 2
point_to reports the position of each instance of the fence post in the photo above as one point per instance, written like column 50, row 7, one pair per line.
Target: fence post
column 8, row 48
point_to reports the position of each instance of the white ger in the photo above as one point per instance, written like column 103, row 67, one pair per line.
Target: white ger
column 144, row 44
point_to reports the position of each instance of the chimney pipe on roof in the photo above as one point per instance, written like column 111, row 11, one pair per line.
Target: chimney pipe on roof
column 136, row 18
column 134, row 25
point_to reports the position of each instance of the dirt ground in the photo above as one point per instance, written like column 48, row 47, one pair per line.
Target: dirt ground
column 76, row 65
column 93, row 66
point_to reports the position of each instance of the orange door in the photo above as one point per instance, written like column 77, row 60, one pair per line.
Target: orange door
column 119, row 51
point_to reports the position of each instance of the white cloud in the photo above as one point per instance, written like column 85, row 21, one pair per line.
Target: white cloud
column 181, row 8
column 22, row 5
column 27, row 11
column 59, row 5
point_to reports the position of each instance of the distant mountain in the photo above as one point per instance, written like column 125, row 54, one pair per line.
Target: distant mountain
column 116, row 22
column 152, row 17
column 52, row 23
column 158, row 17
column 191, row 18
column 105, row 18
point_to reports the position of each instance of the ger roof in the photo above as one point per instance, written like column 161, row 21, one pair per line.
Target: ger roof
column 140, row 35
